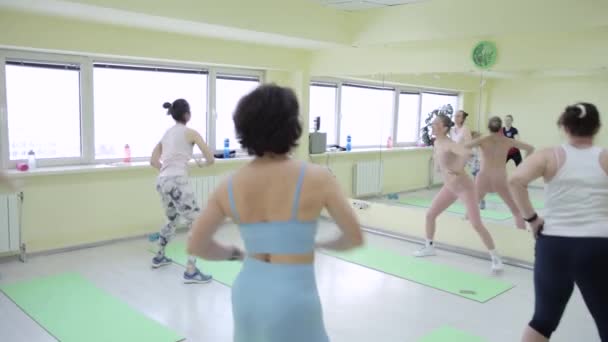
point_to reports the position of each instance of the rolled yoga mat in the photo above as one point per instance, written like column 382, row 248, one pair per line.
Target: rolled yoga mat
column 457, row 208
column 422, row 271
column 73, row 309
column 449, row 334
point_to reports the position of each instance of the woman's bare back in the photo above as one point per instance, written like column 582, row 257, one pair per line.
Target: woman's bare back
column 264, row 191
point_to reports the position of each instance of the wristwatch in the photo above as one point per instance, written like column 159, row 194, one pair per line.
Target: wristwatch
column 531, row 219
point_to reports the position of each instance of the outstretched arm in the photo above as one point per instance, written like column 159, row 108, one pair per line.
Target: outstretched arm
column 202, row 242
column 523, row 146
column 155, row 159
column 475, row 143
column 202, row 145
column 461, row 150
column 531, row 169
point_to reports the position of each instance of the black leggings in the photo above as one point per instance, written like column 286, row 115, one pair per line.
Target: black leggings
column 560, row 263
column 516, row 157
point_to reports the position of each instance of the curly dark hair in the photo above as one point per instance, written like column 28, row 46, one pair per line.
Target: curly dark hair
column 267, row 120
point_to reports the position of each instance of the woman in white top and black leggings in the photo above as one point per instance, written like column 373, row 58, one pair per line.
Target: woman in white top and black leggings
column 572, row 238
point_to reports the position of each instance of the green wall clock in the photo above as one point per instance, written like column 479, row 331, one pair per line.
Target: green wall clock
column 484, row 54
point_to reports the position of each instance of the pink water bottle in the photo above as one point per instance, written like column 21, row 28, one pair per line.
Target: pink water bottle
column 127, row 154
column 389, row 142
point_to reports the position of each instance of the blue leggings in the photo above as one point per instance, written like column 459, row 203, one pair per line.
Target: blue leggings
column 560, row 263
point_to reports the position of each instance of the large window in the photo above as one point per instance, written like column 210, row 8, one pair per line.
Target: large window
column 323, row 105
column 407, row 118
column 432, row 101
column 367, row 115
column 128, row 106
column 229, row 90
column 43, row 105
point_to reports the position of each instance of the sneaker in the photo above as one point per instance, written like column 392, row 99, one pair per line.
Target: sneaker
column 427, row 250
column 482, row 204
column 497, row 265
column 160, row 261
column 196, row 278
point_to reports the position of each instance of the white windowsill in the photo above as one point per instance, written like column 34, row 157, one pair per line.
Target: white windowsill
column 109, row 167
column 372, row 150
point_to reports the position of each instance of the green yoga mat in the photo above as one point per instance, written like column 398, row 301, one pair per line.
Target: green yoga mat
column 441, row 277
column 224, row 272
column 457, row 208
column 73, row 309
column 448, row 334
column 494, row 198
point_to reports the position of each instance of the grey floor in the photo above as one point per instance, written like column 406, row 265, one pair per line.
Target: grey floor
column 359, row 304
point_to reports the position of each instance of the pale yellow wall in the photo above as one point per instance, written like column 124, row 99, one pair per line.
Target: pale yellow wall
column 537, row 103
column 43, row 32
column 67, row 210
column 403, row 169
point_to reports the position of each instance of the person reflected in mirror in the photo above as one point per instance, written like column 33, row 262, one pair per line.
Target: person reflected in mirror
column 512, row 133
column 452, row 158
column 492, row 177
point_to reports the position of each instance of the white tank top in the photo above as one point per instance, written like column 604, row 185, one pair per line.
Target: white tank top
column 576, row 203
column 177, row 152
column 456, row 134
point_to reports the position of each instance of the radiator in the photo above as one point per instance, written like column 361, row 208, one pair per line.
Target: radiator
column 204, row 186
column 367, row 178
column 10, row 225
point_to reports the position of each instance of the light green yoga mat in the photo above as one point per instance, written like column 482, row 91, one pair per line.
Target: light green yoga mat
column 457, row 208
column 73, row 309
column 441, row 277
column 494, row 198
column 224, row 272
column 448, row 334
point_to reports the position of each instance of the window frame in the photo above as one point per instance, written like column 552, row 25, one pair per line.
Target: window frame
column 373, row 87
column 131, row 65
column 224, row 73
column 396, row 141
column 8, row 56
column 397, row 89
column 338, row 87
column 86, row 86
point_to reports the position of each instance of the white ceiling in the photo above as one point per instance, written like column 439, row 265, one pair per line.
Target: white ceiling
column 358, row 5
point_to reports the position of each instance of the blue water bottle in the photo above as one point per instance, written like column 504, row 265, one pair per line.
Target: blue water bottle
column 226, row 148
column 348, row 143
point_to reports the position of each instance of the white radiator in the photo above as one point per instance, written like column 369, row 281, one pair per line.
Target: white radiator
column 204, row 186
column 367, row 178
column 10, row 225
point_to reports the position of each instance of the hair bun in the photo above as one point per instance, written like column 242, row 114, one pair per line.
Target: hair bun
column 167, row 105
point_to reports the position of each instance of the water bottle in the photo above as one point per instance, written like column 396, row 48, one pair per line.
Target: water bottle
column 226, row 148
column 127, row 158
column 389, row 142
column 31, row 160
column 348, row 143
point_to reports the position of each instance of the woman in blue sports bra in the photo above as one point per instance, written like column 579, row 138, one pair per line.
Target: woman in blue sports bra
column 276, row 202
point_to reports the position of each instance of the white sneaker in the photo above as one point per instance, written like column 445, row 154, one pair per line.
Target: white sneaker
column 427, row 250
column 497, row 265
